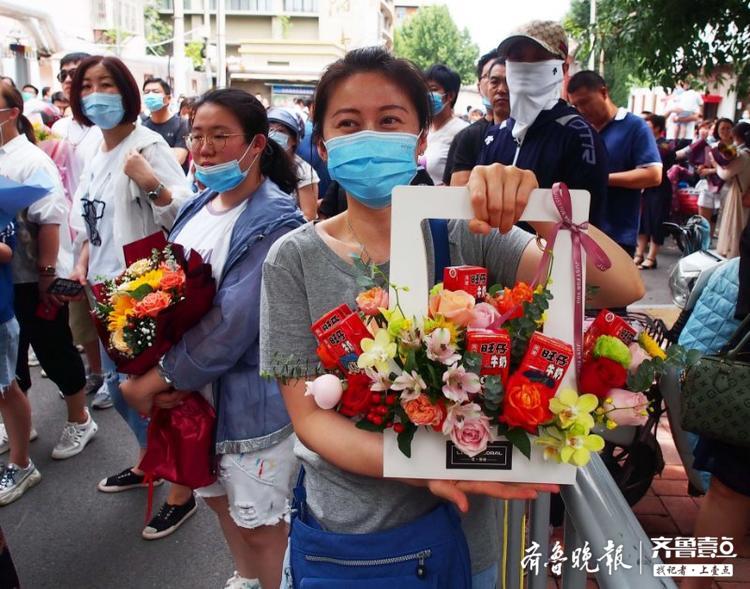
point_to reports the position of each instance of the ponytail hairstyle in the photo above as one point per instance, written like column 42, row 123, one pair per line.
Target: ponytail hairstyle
column 13, row 99
column 275, row 163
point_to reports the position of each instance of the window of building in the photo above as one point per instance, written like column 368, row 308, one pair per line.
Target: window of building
column 301, row 5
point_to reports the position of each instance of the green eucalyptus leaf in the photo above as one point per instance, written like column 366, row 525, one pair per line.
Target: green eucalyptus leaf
column 404, row 439
column 520, row 439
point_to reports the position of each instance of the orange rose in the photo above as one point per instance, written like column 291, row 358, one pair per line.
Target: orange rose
column 512, row 299
column 526, row 404
column 172, row 279
column 371, row 300
column 152, row 304
column 522, row 293
column 421, row 411
column 456, row 306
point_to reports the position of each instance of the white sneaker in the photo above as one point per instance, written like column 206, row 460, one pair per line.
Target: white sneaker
column 33, row 360
column 15, row 481
column 102, row 398
column 237, row 582
column 5, row 444
column 74, row 438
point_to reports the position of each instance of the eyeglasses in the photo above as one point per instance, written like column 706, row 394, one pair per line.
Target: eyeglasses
column 217, row 142
column 65, row 73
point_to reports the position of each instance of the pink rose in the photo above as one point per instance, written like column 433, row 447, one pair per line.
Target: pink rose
column 371, row 300
column 471, row 435
column 626, row 407
column 637, row 356
column 485, row 317
column 456, row 306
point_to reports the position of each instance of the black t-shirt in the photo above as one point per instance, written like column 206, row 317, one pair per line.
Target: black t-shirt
column 465, row 149
column 173, row 131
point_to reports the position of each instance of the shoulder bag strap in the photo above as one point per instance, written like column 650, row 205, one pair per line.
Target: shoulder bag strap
column 439, row 230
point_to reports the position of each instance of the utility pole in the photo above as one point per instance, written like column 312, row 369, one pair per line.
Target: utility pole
column 221, row 74
column 206, row 38
column 592, row 34
column 178, row 49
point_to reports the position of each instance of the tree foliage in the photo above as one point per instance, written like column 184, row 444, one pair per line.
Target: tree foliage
column 157, row 30
column 665, row 41
column 431, row 36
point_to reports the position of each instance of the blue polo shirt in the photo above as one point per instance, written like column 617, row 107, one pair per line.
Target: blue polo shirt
column 630, row 145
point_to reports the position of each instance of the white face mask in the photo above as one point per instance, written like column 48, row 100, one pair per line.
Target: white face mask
column 533, row 87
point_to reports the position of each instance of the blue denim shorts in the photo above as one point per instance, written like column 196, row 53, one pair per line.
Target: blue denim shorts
column 8, row 353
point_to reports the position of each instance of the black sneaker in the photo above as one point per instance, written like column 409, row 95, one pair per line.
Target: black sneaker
column 123, row 481
column 169, row 518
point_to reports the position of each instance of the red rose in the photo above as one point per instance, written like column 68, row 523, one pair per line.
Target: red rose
column 357, row 396
column 600, row 375
column 526, row 404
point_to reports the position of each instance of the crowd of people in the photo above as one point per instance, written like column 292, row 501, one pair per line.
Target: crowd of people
column 278, row 201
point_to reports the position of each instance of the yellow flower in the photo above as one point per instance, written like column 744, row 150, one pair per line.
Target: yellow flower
column 118, row 342
column 571, row 409
column 378, row 352
column 440, row 322
column 579, row 446
column 122, row 308
column 651, row 347
column 152, row 278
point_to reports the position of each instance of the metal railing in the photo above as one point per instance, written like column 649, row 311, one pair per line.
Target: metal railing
column 597, row 518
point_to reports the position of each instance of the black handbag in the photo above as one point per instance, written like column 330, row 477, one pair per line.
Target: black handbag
column 716, row 392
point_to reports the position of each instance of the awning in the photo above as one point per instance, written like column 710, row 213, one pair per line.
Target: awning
column 712, row 98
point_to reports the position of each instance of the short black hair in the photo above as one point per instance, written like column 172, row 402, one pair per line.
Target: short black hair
column 657, row 122
column 586, row 79
column 45, row 90
column 163, row 83
column 375, row 59
column 34, row 88
column 446, row 77
column 124, row 80
column 489, row 56
column 75, row 56
column 308, row 102
column 58, row 97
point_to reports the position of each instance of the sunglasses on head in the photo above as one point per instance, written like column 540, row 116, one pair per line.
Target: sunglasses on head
column 65, row 73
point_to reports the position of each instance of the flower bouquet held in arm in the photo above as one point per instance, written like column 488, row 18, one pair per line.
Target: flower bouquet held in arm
column 140, row 315
column 465, row 383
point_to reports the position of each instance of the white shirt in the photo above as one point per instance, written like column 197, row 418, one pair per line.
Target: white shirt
column 19, row 160
column 438, row 144
column 99, row 214
column 305, row 172
column 84, row 142
column 209, row 233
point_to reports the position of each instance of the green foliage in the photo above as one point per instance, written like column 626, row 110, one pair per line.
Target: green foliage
column 193, row 51
column 140, row 292
column 520, row 439
column 431, row 36
column 522, row 328
column 678, row 358
column 157, row 30
column 661, row 43
column 405, row 437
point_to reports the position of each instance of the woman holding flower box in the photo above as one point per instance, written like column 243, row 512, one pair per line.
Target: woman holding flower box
column 371, row 116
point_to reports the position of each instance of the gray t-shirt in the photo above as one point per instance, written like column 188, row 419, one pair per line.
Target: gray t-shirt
column 302, row 280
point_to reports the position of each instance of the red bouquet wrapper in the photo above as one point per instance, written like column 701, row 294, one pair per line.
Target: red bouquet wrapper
column 171, row 323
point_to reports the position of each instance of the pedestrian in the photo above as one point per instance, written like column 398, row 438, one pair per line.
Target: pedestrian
column 544, row 134
column 307, row 150
column 736, row 208
column 44, row 252
column 157, row 97
column 657, row 201
column 287, row 129
column 131, row 188
column 29, row 91
column 310, row 271
column 80, row 145
column 444, row 85
column 232, row 224
column 633, row 160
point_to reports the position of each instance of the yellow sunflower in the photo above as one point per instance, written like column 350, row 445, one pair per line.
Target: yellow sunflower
column 152, row 278
column 122, row 307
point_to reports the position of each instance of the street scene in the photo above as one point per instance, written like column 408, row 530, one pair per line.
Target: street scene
column 367, row 293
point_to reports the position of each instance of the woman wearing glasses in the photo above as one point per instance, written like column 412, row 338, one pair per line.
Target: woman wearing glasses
column 246, row 206
column 131, row 188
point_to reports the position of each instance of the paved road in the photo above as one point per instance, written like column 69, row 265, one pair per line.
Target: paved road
column 65, row 534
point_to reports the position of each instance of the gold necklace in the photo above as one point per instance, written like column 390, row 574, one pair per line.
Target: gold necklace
column 363, row 249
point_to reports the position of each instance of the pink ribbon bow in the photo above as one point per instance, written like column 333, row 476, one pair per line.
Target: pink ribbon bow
column 561, row 198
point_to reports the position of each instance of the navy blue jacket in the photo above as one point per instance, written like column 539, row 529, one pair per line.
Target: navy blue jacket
column 560, row 146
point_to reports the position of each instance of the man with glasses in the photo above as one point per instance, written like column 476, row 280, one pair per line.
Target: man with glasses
column 82, row 145
column 157, row 96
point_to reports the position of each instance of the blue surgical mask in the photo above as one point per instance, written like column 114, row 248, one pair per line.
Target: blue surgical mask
column 370, row 164
column 103, row 109
column 27, row 96
column 226, row 176
column 436, row 100
column 153, row 102
column 281, row 138
column 487, row 103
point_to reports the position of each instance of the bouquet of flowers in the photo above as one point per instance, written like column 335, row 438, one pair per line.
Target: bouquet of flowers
column 163, row 292
column 724, row 153
column 475, row 368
